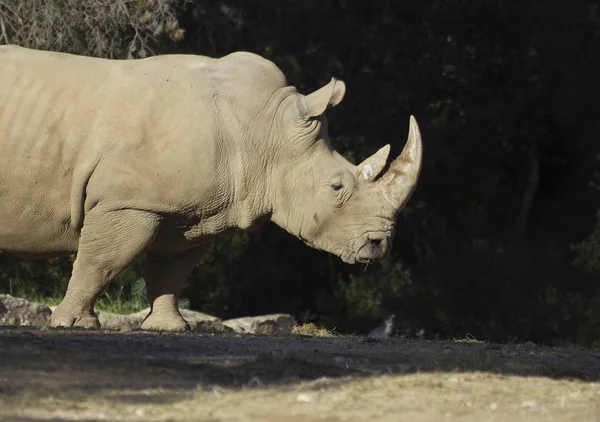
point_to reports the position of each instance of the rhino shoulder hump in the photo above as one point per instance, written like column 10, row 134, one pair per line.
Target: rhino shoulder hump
column 254, row 65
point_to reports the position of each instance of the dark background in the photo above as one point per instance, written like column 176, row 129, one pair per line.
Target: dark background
column 501, row 239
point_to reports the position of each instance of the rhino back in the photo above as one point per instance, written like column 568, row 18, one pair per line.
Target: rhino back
column 78, row 132
column 193, row 140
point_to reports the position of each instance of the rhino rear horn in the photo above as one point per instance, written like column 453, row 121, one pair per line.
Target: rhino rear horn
column 330, row 95
column 369, row 169
column 400, row 180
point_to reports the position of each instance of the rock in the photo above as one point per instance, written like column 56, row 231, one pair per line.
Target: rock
column 110, row 321
column 17, row 311
column 203, row 323
column 198, row 321
column 265, row 324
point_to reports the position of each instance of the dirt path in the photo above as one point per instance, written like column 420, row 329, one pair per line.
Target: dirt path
column 100, row 375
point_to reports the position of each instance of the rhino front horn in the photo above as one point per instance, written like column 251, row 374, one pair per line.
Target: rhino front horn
column 400, row 180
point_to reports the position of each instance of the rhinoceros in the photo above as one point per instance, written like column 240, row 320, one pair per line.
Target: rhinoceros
column 114, row 159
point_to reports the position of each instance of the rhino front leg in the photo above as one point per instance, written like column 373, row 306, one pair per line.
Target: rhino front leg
column 165, row 279
column 109, row 242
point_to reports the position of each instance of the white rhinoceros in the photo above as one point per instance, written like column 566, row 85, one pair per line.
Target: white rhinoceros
column 111, row 159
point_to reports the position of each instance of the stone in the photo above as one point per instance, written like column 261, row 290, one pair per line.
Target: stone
column 202, row 323
column 21, row 312
column 264, row 324
column 198, row 321
column 110, row 321
column 17, row 311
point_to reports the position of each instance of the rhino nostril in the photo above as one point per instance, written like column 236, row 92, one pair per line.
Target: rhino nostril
column 376, row 242
column 376, row 239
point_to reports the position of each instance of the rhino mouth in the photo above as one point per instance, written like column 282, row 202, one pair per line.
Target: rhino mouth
column 374, row 248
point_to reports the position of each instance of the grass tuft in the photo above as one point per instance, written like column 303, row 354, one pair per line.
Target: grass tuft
column 311, row 329
column 469, row 338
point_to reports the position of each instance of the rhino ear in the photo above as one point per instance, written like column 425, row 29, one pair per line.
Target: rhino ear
column 330, row 95
column 372, row 166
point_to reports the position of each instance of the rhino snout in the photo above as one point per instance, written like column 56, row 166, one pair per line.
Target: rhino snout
column 374, row 248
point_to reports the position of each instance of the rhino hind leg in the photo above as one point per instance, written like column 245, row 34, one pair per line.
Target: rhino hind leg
column 165, row 278
column 109, row 242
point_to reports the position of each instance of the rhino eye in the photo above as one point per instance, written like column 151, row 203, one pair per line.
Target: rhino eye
column 337, row 186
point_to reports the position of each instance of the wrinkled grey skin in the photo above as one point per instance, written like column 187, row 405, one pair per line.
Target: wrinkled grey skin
column 113, row 159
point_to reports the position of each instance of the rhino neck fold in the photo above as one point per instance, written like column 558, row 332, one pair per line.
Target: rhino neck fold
column 249, row 164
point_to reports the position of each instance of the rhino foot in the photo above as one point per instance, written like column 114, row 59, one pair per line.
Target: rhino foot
column 64, row 318
column 172, row 321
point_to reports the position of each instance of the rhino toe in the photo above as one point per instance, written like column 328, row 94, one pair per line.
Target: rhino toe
column 67, row 319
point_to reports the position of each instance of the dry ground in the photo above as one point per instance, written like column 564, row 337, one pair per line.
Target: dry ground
column 101, row 375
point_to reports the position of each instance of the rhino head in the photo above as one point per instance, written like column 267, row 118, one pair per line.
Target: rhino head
column 328, row 202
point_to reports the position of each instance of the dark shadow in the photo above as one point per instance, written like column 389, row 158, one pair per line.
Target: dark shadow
column 125, row 366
